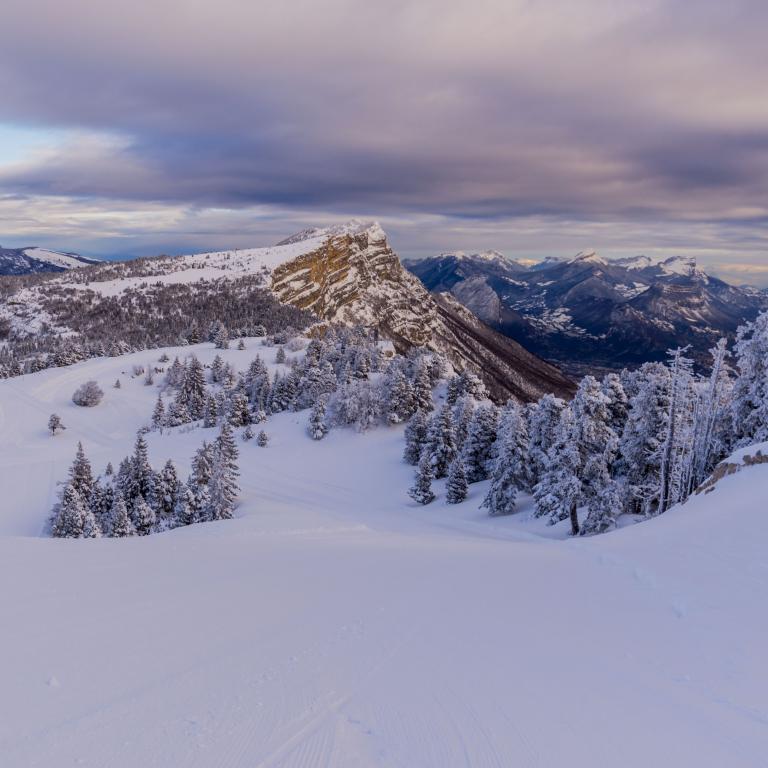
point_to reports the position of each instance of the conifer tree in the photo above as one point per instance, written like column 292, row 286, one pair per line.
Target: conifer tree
column 142, row 516
column 223, row 486
column 217, row 366
column 542, row 426
column 192, row 391
column 248, row 433
column 211, row 414
column 640, row 443
column 318, row 427
column 81, row 475
column 463, row 411
column 478, row 449
column 158, row 415
column 120, row 522
column 262, row 440
column 456, row 487
column 239, row 412
column 441, row 441
column 415, row 437
column 202, row 463
column 558, row 492
column 422, row 388
column 750, row 391
column 69, row 516
column 421, row 490
column 168, row 489
column 604, row 510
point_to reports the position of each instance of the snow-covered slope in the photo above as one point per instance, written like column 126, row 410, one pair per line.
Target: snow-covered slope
column 336, row 624
column 23, row 261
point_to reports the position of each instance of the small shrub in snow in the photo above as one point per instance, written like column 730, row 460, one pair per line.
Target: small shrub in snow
column 88, row 395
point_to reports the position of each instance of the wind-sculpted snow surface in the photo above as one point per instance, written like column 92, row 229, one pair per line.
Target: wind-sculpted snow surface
column 336, row 623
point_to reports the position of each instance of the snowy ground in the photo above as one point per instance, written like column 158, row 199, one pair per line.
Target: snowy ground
column 334, row 623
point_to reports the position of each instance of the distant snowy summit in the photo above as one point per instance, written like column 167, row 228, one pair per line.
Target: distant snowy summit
column 25, row 261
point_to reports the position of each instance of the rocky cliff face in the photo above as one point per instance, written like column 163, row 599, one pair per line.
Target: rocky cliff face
column 355, row 277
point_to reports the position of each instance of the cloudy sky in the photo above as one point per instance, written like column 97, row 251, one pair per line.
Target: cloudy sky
column 536, row 127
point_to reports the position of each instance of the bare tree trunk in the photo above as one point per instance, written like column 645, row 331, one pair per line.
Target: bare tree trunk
column 574, row 520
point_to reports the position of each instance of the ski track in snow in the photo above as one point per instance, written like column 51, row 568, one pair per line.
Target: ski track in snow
column 336, row 624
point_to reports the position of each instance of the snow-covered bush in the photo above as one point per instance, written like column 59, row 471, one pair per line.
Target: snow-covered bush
column 88, row 394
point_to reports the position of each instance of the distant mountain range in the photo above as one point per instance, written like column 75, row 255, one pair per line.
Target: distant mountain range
column 27, row 261
column 590, row 313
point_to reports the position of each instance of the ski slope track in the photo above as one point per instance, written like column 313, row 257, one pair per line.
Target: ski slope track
column 333, row 623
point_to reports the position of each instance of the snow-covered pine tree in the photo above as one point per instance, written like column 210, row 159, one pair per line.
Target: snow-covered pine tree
column 121, row 524
column 241, row 345
column 248, row 433
column 543, row 422
column 81, row 475
column 509, row 471
column 69, row 516
column 158, row 415
column 399, row 397
column 167, row 491
column 175, row 374
column 618, row 404
column 441, row 441
column 142, row 516
column 211, row 412
column 223, row 487
column 202, row 463
column 595, row 440
column 192, row 391
column 262, row 439
column 604, row 510
column 415, row 437
column 55, row 424
column 750, row 391
column 558, row 493
column 221, row 339
column 177, row 413
column 421, row 490
column 422, row 387
column 239, row 412
column 217, row 366
column 318, row 427
column 142, row 476
column 280, row 355
column 463, row 411
column 478, row 449
column 456, row 486
column 102, row 498
column 188, row 503
column 678, row 439
column 640, row 442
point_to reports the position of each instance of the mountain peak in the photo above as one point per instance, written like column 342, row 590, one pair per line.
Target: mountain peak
column 680, row 265
column 587, row 257
column 354, row 227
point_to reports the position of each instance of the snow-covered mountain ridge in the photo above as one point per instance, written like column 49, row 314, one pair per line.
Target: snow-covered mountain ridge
column 23, row 261
column 342, row 274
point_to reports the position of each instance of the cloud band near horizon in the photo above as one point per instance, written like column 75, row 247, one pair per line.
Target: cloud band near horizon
column 532, row 127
